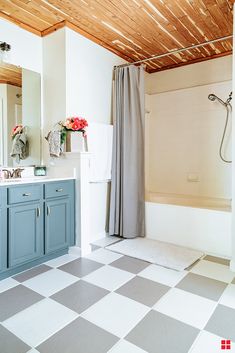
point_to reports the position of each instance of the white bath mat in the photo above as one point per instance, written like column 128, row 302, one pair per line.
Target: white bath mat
column 157, row 252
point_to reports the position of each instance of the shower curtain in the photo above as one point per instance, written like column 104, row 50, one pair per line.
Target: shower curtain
column 127, row 212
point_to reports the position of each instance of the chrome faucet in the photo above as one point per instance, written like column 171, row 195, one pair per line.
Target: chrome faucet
column 7, row 173
column 15, row 173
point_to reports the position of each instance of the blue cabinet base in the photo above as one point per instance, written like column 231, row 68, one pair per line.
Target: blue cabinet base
column 13, row 271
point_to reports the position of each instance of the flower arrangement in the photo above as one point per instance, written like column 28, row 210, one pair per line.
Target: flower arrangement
column 18, row 129
column 73, row 124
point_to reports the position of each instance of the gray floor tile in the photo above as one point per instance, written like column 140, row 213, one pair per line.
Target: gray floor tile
column 130, row 264
column 80, row 296
column 143, row 290
column 218, row 260
column 24, row 276
column 95, row 247
column 16, row 299
column 9, row 343
column 203, row 286
column 160, row 333
column 80, row 336
column 222, row 322
column 81, row 267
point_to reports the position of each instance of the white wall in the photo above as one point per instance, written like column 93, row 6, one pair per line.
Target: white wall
column 26, row 48
column 232, row 264
column 184, row 130
column 184, row 135
column 79, row 84
column 89, row 69
column 203, row 73
column 89, row 72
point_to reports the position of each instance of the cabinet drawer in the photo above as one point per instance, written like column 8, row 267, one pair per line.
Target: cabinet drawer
column 24, row 193
column 3, row 197
column 57, row 189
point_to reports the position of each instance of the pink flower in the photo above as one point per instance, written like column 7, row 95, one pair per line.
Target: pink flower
column 75, row 123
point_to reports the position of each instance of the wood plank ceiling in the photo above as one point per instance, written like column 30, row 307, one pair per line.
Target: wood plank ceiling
column 134, row 29
column 10, row 74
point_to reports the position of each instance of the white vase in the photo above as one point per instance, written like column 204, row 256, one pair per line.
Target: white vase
column 75, row 142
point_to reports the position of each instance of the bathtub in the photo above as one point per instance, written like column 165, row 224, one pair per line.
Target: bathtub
column 201, row 223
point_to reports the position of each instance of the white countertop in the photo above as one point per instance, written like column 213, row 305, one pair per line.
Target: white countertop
column 31, row 180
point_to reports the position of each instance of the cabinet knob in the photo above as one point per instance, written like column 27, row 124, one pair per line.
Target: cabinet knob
column 48, row 211
column 59, row 190
column 27, row 194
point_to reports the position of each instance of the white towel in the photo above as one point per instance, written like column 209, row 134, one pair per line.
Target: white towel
column 100, row 139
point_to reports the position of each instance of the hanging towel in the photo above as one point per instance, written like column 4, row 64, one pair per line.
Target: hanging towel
column 20, row 147
column 100, row 140
column 54, row 141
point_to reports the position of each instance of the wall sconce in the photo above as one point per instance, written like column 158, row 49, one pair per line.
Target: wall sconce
column 4, row 50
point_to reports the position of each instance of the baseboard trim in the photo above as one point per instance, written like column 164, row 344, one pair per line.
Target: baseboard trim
column 75, row 250
column 232, row 266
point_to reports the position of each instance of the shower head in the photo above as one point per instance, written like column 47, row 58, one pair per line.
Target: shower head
column 212, row 97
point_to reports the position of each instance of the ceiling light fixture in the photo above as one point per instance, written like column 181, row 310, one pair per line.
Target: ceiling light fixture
column 4, row 50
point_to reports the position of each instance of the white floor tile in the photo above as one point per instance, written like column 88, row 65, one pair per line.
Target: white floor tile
column 33, row 351
column 163, row 275
column 187, row 307
column 109, row 277
column 125, row 347
column 116, row 314
column 38, row 322
column 8, row 283
column 208, row 343
column 50, row 282
column 228, row 297
column 103, row 256
column 213, row 270
column 62, row 260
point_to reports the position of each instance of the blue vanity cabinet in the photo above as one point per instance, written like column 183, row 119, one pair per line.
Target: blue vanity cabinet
column 37, row 223
column 59, row 215
column 25, row 233
column 25, row 223
column 3, row 229
column 57, row 224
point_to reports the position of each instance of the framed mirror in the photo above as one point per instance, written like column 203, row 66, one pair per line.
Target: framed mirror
column 20, row 104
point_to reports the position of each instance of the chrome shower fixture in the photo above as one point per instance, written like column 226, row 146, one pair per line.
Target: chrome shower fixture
column 212, row 97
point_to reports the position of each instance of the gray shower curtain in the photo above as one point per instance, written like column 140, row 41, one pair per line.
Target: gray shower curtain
column 127, row 212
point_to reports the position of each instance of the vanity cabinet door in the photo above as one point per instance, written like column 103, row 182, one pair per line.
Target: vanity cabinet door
column 57, row 224
column 25, row 233
column 3, row 239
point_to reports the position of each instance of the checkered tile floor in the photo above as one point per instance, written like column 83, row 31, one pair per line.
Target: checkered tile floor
column 107, row 302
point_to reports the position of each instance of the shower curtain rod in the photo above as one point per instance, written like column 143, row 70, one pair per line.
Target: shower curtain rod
column 176, row 51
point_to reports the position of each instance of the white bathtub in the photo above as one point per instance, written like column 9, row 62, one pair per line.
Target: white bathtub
column 195, row 222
